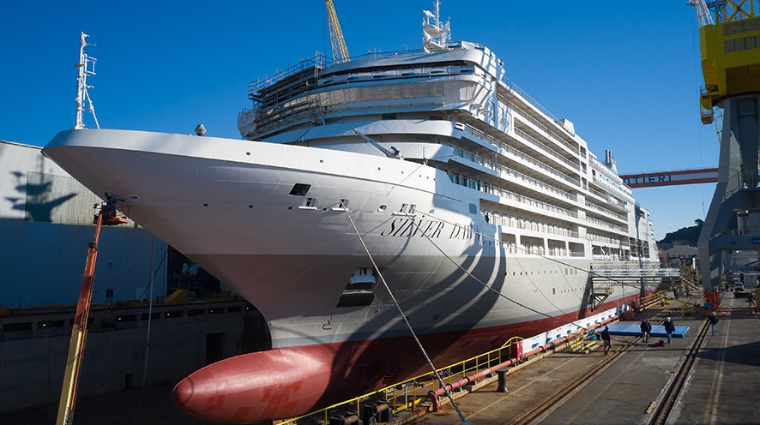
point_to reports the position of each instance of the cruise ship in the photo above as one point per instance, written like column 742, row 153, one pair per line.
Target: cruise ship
column 411, row 193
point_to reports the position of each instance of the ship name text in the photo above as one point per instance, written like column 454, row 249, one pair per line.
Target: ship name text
column 408, row 227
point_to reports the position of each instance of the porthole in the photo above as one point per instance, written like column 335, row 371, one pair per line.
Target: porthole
column 382, row 208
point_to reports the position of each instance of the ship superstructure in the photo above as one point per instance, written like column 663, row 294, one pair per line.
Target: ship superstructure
column 456, row 111
column 427, row 171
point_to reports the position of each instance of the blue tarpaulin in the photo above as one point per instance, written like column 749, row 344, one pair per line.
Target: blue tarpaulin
column 634, row 329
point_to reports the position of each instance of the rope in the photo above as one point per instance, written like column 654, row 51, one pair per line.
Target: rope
column 485, row 285
column 150, row 320
column 403, row 317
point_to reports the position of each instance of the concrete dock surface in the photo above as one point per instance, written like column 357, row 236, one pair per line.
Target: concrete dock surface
column 722, row 388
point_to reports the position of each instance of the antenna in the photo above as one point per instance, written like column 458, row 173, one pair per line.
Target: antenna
column 435, row 33
column 86, row 67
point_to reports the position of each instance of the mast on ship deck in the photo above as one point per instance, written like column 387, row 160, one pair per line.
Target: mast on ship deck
column 86, row 67
column 436, row 34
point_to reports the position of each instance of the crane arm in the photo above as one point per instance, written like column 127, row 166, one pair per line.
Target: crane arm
column 339, row 49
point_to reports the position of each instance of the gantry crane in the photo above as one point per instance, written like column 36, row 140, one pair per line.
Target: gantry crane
column 339, row 49
column 729, row 32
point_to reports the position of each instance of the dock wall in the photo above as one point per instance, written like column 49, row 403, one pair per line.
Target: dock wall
column 183, row 338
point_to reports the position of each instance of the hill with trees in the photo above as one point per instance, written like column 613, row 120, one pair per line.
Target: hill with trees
column 683, row 236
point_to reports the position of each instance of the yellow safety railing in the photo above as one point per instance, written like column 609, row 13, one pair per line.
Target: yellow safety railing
column 657, row 297
column 409, row 393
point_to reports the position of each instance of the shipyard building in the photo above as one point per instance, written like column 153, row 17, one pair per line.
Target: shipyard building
column 46, row 224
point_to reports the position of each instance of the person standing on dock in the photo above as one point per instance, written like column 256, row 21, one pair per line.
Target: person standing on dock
column 605, row 335
column 669, row 328
column 713, row 322
column 646, row 328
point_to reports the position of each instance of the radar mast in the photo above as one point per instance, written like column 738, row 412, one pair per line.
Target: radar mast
column 436, row 35
column 86, row 67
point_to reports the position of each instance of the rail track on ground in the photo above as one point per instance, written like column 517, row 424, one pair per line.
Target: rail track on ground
column 659, row 410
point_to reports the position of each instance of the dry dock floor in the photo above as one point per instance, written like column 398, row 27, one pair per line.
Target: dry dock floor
column 722, row 388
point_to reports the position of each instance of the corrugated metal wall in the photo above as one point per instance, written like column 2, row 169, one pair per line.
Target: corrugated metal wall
column 45, row 227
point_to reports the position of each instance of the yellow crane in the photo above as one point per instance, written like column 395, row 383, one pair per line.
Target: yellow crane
column 729, row 37
column 339, row 49
column 729, row 33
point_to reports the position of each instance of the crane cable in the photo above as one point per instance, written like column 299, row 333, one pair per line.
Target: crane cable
column 403, row 316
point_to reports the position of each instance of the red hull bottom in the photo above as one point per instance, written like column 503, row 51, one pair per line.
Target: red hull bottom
column 288, row 382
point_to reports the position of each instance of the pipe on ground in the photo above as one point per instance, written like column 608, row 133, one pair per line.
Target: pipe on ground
column 434, row 395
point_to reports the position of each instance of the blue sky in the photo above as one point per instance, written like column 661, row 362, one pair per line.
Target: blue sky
column 626, row 75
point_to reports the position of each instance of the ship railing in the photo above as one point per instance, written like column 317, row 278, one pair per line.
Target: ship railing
column 520, row 155
column 603, row 168
column 499, row 144
column 505, row 171
column 512, row 86
column 611, row 186
column 507, row 221
column 408, row 394
column 605, row 196
column 514, row 196
column 605, row 239
column 529, row 159
column 516, row 175
column 550, row 134
column 255, row 88
column 606, row 211
column 606, row 224
column 543, row 147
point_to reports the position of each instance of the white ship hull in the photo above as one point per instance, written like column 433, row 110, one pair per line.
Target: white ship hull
column 226, row 205
column 418, row 190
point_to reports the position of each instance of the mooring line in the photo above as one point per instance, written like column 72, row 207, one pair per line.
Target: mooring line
column 403, row 316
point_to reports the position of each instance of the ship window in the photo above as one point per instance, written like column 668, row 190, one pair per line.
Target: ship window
column 300, row 189
column 473, row 209
column 437, row 89
column 309, row 203
column 408, row 91
column 423, row 90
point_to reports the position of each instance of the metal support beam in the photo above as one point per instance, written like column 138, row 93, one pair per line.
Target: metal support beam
column 737, row 191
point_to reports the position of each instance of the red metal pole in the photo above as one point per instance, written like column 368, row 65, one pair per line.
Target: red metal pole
column 79, row 332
